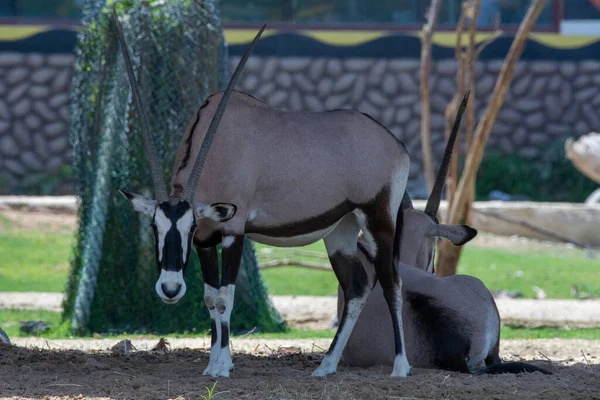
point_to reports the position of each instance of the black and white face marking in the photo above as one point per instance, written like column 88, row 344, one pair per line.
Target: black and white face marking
column 173, row 227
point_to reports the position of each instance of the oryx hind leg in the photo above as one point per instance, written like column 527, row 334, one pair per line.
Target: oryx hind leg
column 209, row 263
column 342, row 250
column 383, row 232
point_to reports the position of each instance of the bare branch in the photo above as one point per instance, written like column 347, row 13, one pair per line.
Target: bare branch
column 426, row 36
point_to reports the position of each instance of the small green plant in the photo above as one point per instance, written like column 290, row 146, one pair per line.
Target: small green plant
column 210, row 392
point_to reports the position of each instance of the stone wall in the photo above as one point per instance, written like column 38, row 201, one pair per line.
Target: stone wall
column 547, row 101
column 34, row 120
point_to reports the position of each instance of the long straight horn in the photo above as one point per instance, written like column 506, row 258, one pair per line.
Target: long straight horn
column 433, row 202
column 155, row 168
column 194, row 177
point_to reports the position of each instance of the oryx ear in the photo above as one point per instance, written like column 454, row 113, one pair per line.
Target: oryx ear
column 140, row 203
column 457, row 234
column 218, row 212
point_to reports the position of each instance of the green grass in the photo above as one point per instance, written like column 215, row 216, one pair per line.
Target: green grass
column 520, row 270
column 555, row 272
column 10, row 321
column 35, row 261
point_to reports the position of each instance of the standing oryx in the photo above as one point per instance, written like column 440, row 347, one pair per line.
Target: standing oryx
column 449, row 323
column 282, row 179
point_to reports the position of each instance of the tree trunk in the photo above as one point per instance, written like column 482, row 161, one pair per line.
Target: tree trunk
column 425, row 106
column 458, row 210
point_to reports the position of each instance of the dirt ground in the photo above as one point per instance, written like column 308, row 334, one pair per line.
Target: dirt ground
column 275, row 372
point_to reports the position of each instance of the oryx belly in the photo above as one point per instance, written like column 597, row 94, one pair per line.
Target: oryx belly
column 292, row 241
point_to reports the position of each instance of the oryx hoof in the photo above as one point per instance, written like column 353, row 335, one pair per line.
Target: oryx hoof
column 323, row 372
column 401, row 367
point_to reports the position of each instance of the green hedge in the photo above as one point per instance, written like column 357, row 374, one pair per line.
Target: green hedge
column 552, row 178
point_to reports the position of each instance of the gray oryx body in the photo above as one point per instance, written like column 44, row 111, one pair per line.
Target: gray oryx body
column 449, row 323
column 284, row 179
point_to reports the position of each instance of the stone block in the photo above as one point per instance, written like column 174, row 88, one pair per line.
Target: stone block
column 402, row 115
column 553, row 107
column 357, row 64
column 303, row 83
column 295, row 64
column 404, row 65
column 68, row 60
column 568, row 69
column 22, row 133
column 555, row 83
column 407, row 83
column 10, row 59
column 377, row 98
column 509, row 115
column 269, row 69
column 324, row 87
column 250, row 83
column 535, row 120
column 16, row 92
column 277, row 98
column 376, row 73
column 58, row 144
column 17, row 75
column 336, row 101
column 566, row 95
column 344, row 82
column 581, row 96
column 589, row 66
column 316, row 69
column 283, row 79
column 265, row 90
column 63, row 81
column 38, row 92
column 35, row 60
column 14, row 167
column 295, row 101
column 40, row 146
column 538, row 86
column 4, row 112
column 313, row 103
column 55, row 129
column 445, row 87
column 447, row 67
column 43, row 75
column 334, row 68
column 387, row 118
column 359, row 89
column 22, row 107
column 59, row 100
column 544, row 67
column 4, row 126
column 390, row 84
column 31, row 161
column 528, row 105
column 8, row 146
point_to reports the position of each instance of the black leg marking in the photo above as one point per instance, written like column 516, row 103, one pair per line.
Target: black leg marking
column 213, row 332
column 224, row 334
column 209, row 264
column 232, row 258
column 354, row 282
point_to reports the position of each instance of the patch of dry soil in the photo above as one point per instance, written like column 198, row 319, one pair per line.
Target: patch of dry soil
column 27, row 373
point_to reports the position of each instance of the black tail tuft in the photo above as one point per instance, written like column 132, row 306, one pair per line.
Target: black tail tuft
column 511, row 368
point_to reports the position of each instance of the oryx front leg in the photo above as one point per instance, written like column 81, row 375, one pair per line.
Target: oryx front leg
column 209, row 264
column 231, row 257
column 342, row 251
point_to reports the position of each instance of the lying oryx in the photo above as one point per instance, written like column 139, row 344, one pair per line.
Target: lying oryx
column 449, row 323
column 283, row 179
